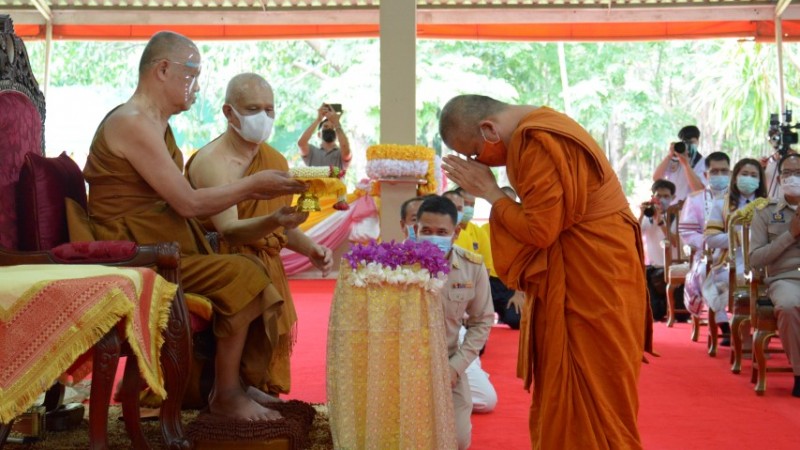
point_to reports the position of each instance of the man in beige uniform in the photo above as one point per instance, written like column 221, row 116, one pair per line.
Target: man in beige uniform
column 775, row 246
column 465, row 294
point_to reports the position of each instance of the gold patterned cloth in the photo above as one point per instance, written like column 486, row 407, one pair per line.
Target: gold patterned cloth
column 50, row 315
column 388, row 380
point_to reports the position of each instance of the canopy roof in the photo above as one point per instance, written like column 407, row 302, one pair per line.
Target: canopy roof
column 533, row 20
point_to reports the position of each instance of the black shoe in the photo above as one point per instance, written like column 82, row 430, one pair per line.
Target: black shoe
column 725, row 342
column 796, row 390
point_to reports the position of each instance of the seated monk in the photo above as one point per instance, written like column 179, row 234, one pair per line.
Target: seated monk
column 256, row 227
column 137, row 192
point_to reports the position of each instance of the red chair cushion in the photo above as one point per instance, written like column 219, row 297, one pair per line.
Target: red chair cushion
column 41, row 213
column 95, row 251
column 20, row 134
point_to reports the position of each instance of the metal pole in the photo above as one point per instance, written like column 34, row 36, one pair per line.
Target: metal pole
column 48, row 47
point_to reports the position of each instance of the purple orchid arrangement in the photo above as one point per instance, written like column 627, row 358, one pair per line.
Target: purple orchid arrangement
column 393, row 255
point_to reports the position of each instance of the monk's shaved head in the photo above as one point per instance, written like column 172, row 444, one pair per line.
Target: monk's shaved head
column 166, row 45
column 462, row 114
column 242, row 86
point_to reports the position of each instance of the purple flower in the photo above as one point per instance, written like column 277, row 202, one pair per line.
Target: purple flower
column 394, row 255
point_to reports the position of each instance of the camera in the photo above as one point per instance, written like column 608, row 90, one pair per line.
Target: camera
column 336, row 107
column 782, row 134
column 679, row 147
column 649, row 210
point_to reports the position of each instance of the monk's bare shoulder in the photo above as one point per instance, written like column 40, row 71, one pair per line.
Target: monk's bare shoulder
column 214, row 165
column 127, row 130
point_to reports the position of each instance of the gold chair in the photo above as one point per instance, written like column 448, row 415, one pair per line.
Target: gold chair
column 675, row 268
column 739, row 291
column 765, row 325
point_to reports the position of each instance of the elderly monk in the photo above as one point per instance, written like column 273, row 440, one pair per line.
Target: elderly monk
column 137, row 192
column 256, row 227
column 573, row 246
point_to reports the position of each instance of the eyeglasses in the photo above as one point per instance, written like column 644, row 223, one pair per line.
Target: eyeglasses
column 786, row 173
column 192, row 66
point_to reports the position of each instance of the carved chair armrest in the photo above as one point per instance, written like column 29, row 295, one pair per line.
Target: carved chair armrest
column 164, row 256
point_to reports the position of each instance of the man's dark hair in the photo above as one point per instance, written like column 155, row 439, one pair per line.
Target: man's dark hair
column 404, row 206
column 717, row 156
column 438, row 205
column 461, row 115
column 661, row 184
column 689, row 132
column 784, row 158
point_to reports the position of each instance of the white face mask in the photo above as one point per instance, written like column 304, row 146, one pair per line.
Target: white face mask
column 256, row 128
column 791, row 186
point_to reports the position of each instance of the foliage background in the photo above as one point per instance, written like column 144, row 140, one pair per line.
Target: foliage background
column 632, row 97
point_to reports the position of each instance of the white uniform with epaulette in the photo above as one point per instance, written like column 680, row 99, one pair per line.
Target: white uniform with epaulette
column 465, row 294
column 773, row 247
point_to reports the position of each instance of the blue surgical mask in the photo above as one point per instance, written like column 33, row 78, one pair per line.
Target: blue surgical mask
column 412, row 235
column 460, row 216
column 445, row 243
column 469, row 213
column 747, row 185
column 692, row 149
column 719, row 182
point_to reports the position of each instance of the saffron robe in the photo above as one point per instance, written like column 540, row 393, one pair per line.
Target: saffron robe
column 574, row 247
column 122, row 206
column 277, row 378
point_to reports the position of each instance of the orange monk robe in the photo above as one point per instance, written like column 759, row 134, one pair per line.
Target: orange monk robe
column 573, row 246
column 275, row 377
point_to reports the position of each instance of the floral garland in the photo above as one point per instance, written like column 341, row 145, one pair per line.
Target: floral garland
column 406, row 263
column 392, row 161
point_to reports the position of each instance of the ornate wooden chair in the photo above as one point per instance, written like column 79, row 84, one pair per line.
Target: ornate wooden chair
column 765, row 326
column 739, row 291
column 33, row 221
column 676, row 268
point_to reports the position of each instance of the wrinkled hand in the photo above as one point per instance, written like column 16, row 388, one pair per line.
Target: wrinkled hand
column 476, row 178
column 453, row 378
column 289, row 217
column 322, row 258
column 517, row 301
column 274, row 183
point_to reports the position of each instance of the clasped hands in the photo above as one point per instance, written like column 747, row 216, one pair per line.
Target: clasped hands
column 475, row 178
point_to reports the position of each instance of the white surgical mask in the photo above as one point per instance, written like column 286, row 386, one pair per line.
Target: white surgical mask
column 791, row 186
column 256, row 128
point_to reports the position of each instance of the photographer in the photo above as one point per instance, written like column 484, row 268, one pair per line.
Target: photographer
column 770, row 163
column 329, row 130
column 652, row 219
column 328, row 153
column 683, row 165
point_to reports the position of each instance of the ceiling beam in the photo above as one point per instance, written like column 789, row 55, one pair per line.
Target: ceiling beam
column 44, row 9
column 190, row 16
column 781, row 6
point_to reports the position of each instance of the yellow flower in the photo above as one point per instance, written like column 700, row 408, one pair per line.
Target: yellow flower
column 408, row 153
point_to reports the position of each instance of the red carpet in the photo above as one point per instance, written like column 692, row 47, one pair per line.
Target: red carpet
column 688, row 399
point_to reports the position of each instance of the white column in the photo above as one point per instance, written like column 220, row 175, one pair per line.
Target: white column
column 398, row 40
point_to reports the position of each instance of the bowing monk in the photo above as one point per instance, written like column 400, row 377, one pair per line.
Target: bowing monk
column 137, row 192
column 573, row 246
column 256, row 227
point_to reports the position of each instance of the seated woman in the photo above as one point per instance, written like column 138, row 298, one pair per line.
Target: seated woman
column 747, row 184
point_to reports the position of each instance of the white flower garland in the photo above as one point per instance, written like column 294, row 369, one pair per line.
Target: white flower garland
column 376, row 273
column 395, row 168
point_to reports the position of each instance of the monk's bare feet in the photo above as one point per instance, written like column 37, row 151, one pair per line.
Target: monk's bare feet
column 238, row 405
column 260, row 396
